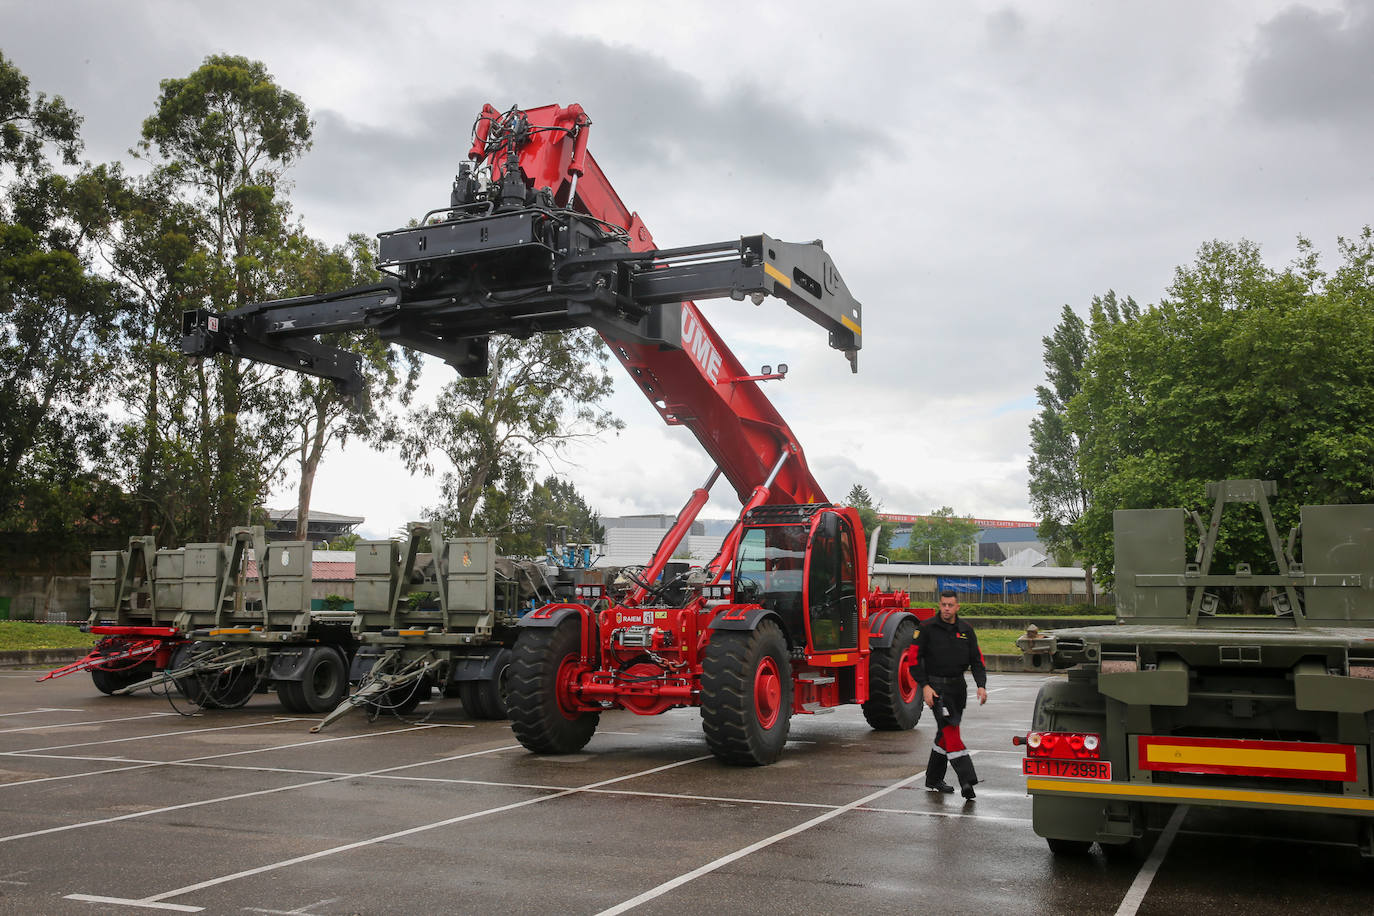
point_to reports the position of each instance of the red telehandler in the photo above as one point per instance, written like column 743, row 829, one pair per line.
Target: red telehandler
column 535, row 239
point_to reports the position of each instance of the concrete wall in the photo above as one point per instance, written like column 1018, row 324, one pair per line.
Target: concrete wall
column 57, row 600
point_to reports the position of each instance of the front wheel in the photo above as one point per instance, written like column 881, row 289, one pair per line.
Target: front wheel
column 894, row 699
column 746, row 694
column 542, row 712
column 108, row 680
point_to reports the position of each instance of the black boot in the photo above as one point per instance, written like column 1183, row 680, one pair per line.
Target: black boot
column 968, row 777
column 935, row 773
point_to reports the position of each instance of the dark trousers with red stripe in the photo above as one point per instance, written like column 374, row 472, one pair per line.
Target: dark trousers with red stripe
column 949, row 750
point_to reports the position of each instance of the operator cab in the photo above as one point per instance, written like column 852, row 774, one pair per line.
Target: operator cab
column 801, row 562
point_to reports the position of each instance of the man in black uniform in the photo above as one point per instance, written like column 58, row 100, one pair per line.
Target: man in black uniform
column 948, row 646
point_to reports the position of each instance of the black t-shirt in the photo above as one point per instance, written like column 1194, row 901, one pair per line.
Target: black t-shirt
column 948, row 650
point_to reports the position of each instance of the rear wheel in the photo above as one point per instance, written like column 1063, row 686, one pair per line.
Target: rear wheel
column 1068, row 847
column 323, row 683
column 542, row 671
column 894, row 699
column 746, row 694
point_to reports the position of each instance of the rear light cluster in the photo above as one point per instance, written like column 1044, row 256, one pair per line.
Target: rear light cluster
column 591, row 592
column 1071, row 745
column 715, row 592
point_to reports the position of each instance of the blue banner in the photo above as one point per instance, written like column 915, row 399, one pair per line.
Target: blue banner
column 987, row 585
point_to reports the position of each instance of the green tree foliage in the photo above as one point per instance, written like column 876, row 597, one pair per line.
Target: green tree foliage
column 552, row 502
column 1241, row 371
column 1058, row 495
column 541, row 394
column 942, row 537
column 862, row 502
column 57, row 321
column 225, row 136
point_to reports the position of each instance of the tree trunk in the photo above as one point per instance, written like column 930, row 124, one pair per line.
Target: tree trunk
column 312, row 450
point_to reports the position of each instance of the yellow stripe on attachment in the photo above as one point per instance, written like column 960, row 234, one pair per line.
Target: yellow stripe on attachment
column 1196, row 794
column 231, row 631
column 850, row 323
column 1312, row 761
column 777, row 275
column 411, row 632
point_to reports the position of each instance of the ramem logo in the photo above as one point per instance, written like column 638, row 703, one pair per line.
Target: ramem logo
column 697, row 343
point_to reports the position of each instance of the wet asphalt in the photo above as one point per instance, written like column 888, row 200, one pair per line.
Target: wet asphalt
column 121, row 805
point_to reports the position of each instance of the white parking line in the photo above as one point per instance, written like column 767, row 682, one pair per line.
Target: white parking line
column 186, row 760
column 242, row 795
column 39, row 728
column 665, row 887
column 186, row 732
column 29, row 712
column 1141, row 885
column 155, row 901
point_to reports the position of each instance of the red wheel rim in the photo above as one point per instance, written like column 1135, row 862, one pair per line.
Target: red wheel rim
column 906, row 682
column 767, row 693
column 563, row 685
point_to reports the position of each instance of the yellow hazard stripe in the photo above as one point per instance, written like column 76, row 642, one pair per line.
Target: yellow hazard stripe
column 1188, row 754
column 231, row 631
column 850, row 323
column 777, row 275
column 1197, row 794
column 411, row 632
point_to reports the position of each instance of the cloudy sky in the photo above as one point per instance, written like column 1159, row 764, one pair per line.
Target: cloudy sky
column 972, row 167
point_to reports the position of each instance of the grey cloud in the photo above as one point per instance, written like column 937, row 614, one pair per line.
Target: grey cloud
column 662, row 117
column 1313, row 66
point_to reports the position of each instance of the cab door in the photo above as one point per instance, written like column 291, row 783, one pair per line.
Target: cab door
column 832, row 600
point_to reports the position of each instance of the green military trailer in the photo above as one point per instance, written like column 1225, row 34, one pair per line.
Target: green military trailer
column 446, row 619
column 1250, row 688
column 247, row 609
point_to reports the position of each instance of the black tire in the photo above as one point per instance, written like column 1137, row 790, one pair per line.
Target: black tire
column 1127, row 853
column 230, row 688
column 107, row 681
column 494, row 692
column 540, row 721
column 402, row 701
column 746, row 694
column 190, row 688
column 894, row 699
column 289, row 695
column 323, row 683
column 1068, row 847
column 472, row 702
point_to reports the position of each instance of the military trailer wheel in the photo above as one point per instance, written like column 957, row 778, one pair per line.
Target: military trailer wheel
column 230, row 688
column 107, row 681
column 323, row 683
column 403, row 700
column 1068, row 847
column 541, row 713
column 894, row 699
column 289, row 695
column 190, row 688
column 746, row 694
column 496, row 689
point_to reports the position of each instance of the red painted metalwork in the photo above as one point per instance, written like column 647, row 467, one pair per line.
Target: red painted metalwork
column 703, row 386
column 767, row 692
column 648, row 659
